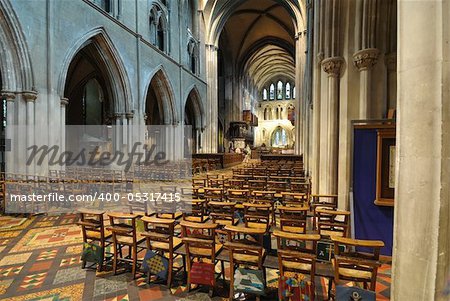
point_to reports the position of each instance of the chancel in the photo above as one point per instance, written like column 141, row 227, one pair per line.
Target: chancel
column 224, row 150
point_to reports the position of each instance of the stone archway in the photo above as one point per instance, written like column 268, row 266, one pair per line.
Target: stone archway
column 194, row 117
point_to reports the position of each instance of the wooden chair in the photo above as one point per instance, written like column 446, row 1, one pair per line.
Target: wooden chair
column 297, row 253
column 93, row 230
column 214, row 194
column 197, row 212
column 160, row 237
column 294, row 199
column 293, row 218
column 351, row 265
column 199, row 240
column 325, row 201
column 257, row 216
column 123, row 228
column 223, row 214
column 332, row 222
column 238, row 196
column 265, row 197
column 245, row 252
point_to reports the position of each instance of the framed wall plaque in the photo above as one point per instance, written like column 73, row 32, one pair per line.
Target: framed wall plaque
column 386, row 149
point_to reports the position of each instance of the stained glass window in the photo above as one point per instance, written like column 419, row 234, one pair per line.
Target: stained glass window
column 288, row 91
column 272, row 92
column 279, row 90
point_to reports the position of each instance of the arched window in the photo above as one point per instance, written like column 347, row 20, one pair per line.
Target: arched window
column 272, row 92
column 288, row 91
column 279, row 90
column 190, row 17
column 265, row 94
column 158, row 27
column 293, row 93
column 279, row 137
column 193, row 55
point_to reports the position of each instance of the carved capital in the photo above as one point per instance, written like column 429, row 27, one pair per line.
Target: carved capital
column 390, row 60
column 118, row 115
column 8, row 95
column 212, row 47
column 29, row 96
column 129, row 115
column 333, row 65
column 366, row 58
column 64, row 101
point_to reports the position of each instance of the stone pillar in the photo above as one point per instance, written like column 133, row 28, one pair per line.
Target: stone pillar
column 391, row 66
column 364, row 60
column 124, row 132
column 130, row 141
column 64, row 103
column 10, row 123
column 30, row 97
column 421, row 253
column 211, row 134
column 329, row 130
column 117, row 132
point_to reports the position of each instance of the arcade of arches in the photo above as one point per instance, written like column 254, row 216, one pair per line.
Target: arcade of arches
column 320, row 80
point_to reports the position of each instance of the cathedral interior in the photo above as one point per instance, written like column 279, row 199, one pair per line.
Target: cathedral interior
column 225, row 150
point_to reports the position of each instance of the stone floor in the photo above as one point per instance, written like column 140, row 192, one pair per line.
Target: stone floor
column 40, row 260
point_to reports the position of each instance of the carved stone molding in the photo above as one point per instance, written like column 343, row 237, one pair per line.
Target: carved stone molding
column 333, row 66
column 29, row 96
column 390, row 60
column 64, row 101
column 8, row 95
column 129, row 115
column 366, row 58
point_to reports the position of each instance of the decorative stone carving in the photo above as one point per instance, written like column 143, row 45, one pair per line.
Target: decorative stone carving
column 64, row 101
column 366, row 58
column 129, row 115
column 8, row 95
column 333, row 65
column 390, row 60
column 29, row 96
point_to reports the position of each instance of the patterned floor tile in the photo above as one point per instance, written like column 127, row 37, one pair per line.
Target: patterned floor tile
column 50, row 254
column 66, row 293
column 33, row 281
column 4, row 242
column 48, row 237
column 4, row 285
column 15, row 259
column 74, row 249
column 69, row 275
column 41, row 266
column 119, row 298
column 9, row 234
column 11, row 271
column 110, row 285
column 44, row 224
column 70, row 261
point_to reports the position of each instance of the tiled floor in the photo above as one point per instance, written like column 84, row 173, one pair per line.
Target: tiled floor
column 41, row 261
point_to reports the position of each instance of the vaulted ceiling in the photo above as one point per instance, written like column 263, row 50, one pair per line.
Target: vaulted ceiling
column 260, row 39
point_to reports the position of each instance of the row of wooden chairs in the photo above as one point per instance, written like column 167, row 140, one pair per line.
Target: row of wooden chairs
column 296, row 252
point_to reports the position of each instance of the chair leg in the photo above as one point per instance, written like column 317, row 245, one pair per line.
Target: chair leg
column 231, row 282
column 134, row 254
column 115, row 259
column 170, row 272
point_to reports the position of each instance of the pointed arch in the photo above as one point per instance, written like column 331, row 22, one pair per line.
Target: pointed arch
column 15, row 62
column 111, row 61
column 198, row 109
column 160, row 85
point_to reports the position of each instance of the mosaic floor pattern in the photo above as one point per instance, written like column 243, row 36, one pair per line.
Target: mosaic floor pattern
column 41, row 261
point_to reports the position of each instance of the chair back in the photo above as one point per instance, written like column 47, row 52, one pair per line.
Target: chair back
column 293, row 218
column 351, row 265
column 123, row 228
column 332, row 222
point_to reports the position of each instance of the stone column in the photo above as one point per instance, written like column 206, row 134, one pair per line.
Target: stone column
column 329, row 130
column 364, row 60
column 117, row 132
column 421, row 253
column 130, row 141
column 391, row 66
column 10, row 123
column 124, row 132
column 30, row 97
column 64, row 103
column 210, row 145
